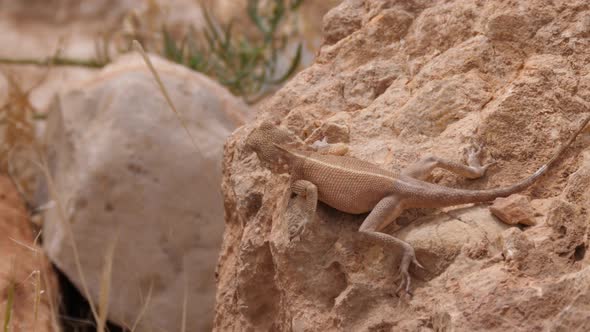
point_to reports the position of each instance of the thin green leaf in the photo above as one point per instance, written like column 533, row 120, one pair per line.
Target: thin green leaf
column 211, row 26
column 171, row 50
column 295, row 4
column 277, row 15
column 244, row 65
column 9, row 306
column 292, row 68
column 227, row 36
column 210, row 41
column 252, row 10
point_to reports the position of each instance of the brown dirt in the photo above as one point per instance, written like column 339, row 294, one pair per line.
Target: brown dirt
column 21, row 263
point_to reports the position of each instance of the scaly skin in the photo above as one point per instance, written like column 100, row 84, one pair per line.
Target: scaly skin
column 356, row 186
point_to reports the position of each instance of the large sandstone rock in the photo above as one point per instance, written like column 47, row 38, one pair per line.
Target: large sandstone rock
column 25, row 271
column 409, row 78
column 125, row 168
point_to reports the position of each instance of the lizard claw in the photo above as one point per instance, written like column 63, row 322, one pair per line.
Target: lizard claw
column 405, row 280
column 474, row 151
column 415, row 261
column 474, row 155
column 296, row 230
column 409, row 256
column 491, row 163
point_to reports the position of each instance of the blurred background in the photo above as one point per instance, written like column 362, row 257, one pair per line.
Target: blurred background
column 50, row 50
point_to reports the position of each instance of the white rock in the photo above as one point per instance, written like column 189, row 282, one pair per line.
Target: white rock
column 123, row 163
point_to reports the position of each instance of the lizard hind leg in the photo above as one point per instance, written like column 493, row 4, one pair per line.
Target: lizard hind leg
column 473, row 170
column 385, row 212
column 309, row 192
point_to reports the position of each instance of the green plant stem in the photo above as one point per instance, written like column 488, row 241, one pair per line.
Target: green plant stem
column 54, row 61
column 9, row 304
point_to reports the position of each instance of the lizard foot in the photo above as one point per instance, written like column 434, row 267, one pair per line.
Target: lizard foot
column 473, row 156
column 474, row 153
column 296, row 230
column 409, row 256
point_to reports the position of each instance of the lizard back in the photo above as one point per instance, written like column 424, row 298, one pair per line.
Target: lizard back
column 348, row 184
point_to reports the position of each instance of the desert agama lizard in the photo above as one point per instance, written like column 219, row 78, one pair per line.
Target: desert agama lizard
column 355, row 186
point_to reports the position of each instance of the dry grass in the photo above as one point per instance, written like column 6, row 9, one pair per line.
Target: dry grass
column 10, row 299
column 105, row 284
column 17, row 133
column 165, row 93
column 99, row 311
column 41, row 289
column 66, row 225
column 144, row 307
column 184, row 123
column 250, row 65
column 17, row 129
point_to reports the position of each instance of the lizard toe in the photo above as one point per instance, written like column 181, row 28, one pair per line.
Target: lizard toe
column 473, row 154
column 409, row 256
column 415, row 261
column 405, row 282
column 491, row 163
column 295, row 231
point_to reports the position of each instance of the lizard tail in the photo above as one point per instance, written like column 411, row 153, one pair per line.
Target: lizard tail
column 503, row 192
column 450, row 196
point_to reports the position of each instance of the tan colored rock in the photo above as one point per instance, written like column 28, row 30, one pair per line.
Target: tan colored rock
column 126, row 168
column 577, row 189
column 504, row 74
column 331, row 132
column 515, row 245
column 24, row 269
column 438, row 240
column 577, row 287
column 343, row 21
column 570, row 227
column 513, row 210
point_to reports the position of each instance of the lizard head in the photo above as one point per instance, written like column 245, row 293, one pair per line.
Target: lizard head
column 264, row 139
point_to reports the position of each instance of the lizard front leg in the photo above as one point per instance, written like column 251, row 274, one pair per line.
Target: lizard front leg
column 309, row 192
column 473, row 170
column 385, row 212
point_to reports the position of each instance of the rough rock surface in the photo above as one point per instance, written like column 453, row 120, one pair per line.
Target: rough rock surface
column 409, row 78
column 125, row 168
column 513, row 210
column 24, row 269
